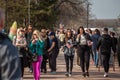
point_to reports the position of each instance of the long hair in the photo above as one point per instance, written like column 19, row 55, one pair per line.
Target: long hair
column 66, row 35
column 37, row 34
column 82, row 29
column 97, row 31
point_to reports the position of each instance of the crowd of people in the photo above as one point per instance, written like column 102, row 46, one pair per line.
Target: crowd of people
column 35, row 48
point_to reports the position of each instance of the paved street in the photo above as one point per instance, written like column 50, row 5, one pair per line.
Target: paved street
column 94, row 73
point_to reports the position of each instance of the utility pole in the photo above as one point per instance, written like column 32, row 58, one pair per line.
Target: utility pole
column 88, row 4
column 88, row 14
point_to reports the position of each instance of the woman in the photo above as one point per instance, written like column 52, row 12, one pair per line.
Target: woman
column 36, row 47
column 84, row 43
column 69, row 52
column 61, row 38
column 20, row 42
column 95, row 36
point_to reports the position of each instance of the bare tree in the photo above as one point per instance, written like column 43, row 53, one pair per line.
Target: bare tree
column 72, row 12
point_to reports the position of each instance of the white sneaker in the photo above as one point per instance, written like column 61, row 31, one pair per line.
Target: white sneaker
column 30, row 70
column 106, row 75
column 69, row 75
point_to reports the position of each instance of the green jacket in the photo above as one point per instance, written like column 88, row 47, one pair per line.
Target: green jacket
column 38, row 47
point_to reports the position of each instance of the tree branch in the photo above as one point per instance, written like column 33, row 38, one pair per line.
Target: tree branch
column 69, row 1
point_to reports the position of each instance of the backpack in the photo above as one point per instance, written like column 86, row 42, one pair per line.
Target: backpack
column 106, row 44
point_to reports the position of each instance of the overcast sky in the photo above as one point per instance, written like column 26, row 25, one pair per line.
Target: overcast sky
column 105, row 9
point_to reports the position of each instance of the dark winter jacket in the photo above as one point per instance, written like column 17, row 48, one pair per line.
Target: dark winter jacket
column 118, row 45
column 118, row 51
column 9, row 60
column 46, row 47
column 114, row 42
column 105, row 44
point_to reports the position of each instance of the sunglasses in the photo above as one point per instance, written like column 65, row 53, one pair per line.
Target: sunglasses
column 29, row 29
column 34, row 34
column 43, row 32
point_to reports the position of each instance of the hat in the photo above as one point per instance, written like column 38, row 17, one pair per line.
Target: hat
column 52, row 34
column 14, row 25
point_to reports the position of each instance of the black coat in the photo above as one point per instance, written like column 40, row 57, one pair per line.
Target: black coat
column 46, row 47
column 118, row 51
column 10, row 68
column 105, row 44
column 114, row 42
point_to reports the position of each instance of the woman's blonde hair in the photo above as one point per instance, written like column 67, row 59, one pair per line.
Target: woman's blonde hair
column 18, row 30
column 37, row 33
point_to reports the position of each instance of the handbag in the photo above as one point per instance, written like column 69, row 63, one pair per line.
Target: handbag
column 89, row 43
column 34, row 57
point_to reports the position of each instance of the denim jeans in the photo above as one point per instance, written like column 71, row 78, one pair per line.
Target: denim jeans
column 95, row 53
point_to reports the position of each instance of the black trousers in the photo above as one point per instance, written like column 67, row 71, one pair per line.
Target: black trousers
column 52, row 59
column 84, row 54
column 69, row 63
column 105, row 61
column 44, row 63
column 78, row 58
column 118, row 56
column 23, row 60
column 22, row 66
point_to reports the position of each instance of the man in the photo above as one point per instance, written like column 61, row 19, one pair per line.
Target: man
column 29, row 34
column 105, row 45
column 46, row 47
column 61, row 38
column 53, row 52
column 118, row 51
column 28, row 38
column 9, row 61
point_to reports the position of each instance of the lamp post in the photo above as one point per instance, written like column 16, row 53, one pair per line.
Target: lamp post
column 88, row 4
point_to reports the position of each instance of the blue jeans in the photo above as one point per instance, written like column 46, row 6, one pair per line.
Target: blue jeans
column 95, row 53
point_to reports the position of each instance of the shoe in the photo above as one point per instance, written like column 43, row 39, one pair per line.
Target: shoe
column 96, row 66
column 53, row 72
column 45, row 71
column 30, row 71
column 106, row 75
column 67, row 74
column 41, row 70
column 84, row 74
column 87, row 74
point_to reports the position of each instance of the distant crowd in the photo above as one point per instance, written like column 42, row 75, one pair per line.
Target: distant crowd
column 48, row 43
